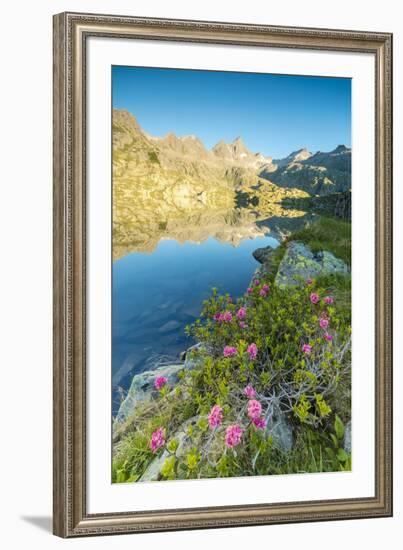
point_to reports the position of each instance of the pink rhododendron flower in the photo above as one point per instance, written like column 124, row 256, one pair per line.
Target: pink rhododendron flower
column 254, row 409
column 265, row 288
column 260, row 423
column 257, row 282
column 215, row 416
column 157, row 439
column 227, row 316
column 241, row 313
column 309, row 281
column 328, row 300
column 233, row 435
column 160, row 382
column 262, row 293
column 252, row 350
column 306, row 348
column 323, row 322
column 314, row 298
column 328, row 337
column 249, row 391
column 229, row 351
column 217, row 316
column 249, row 290
column 242, row 324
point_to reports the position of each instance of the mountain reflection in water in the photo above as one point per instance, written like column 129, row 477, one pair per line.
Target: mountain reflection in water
column 156, row 294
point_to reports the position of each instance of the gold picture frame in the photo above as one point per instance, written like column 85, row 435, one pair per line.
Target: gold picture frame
column 71, row 31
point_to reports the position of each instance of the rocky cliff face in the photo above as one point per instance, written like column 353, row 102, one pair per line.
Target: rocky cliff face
column 173, row 187
column 318, row 174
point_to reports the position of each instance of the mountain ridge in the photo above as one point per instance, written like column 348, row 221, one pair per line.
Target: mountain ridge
column 235, row 152
column 172, row 186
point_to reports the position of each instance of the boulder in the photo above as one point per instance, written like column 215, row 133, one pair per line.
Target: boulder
column 262, row 255
column 300, row 263
column 279, row 429
column 142, row 387
column 282, row 435
column 347, row 438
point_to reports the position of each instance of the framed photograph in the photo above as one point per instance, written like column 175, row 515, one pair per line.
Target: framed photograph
column 222, row 274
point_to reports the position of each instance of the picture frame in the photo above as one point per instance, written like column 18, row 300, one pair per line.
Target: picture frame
column 72, row 32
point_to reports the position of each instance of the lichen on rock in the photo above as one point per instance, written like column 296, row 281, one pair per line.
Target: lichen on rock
column 300, row 263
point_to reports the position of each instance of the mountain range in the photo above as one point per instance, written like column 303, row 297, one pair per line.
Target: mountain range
column 163, row 184
column 320, row 173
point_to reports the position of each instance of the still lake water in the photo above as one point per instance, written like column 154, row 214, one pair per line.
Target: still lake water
column 155, row 295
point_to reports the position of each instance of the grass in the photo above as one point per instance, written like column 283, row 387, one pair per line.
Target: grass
column 327, row 233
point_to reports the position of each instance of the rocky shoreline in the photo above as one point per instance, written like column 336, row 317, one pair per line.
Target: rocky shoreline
column 299, row 262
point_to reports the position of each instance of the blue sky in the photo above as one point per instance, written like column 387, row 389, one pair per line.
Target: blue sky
column 274, row 114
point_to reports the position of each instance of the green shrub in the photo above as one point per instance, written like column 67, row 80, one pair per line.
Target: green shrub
column 292, row 350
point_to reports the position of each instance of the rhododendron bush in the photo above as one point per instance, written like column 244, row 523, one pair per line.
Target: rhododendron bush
column 275, row 352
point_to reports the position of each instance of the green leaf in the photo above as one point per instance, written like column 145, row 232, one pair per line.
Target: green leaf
column 192, row 460
column 203, row 424
column 173, row 445
column 335, row 440
column 120, row 476
column 168, row 468
column 342, row 455
column 339, row 428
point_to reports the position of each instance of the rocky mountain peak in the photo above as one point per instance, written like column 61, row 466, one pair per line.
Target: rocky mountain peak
column 122, row 117
column 340, row 149
column 301, row 154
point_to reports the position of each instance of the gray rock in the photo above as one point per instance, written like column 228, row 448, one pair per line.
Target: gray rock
column 300, row 263
column 185, row 354
column 153, row 470
column 280, row 430
column 142, row 387
column 262, row 255
column 347, row 438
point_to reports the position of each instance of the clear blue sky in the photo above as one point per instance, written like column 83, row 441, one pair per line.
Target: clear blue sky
column 274, row 114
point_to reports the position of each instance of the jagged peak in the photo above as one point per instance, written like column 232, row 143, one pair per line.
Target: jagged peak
column 341, row 149
column 300, row 153
column 125, row 116
column 220, row 143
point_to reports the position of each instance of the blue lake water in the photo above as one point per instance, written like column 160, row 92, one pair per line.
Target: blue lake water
column 155, row 295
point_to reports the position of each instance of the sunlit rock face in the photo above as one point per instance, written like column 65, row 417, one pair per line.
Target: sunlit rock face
column 174, row 188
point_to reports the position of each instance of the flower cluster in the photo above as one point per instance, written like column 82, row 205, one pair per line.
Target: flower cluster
column 157, row 439
column 249, row 392
column 233, row 435
column 160, row 382
column 255, row 414
column 306, row 348
column 225, row 317
column 314, row 298
column 241, row 313
column 252, row 351
column 260, row 423
column 254, row 409
column 215, row 416
column 263, row 291
column 323, row 322
column 229, row 351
